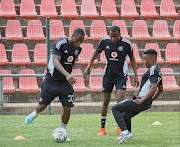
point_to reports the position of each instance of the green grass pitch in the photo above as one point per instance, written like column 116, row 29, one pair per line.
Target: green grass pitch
column 83, row 129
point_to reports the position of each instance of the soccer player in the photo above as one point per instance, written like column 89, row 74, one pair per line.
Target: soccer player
column 150, row 88
column 116, row 50
column 59, row 81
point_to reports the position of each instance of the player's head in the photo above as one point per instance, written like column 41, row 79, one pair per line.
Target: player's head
column 115, row 34
column 77, row 37
column 150, row 57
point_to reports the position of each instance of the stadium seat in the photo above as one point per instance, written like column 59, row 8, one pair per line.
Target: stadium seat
column 128, row 9
column 28, row 84
column 129, row 87
column 48, row 9
column 77, row 24
column 136, row 54
column 28, row 9
column 40, row 54
column 140, row 31
column 8, row 9
column 20, row 55
column 35, row 31
column 108, row 9
column 68, row 9
column 176, row 30
column 88, row 9
column 8, row 86
column 14, row 31
column 3, row 56
column 148, row 9
column 160, row 30
column 95, row 82
column 155, row 46
column 56, row 30
column 123, row 28
column 167, row 9
column 173, row 53
column 86, row 53
column 103, row 58
column 98, row 30
column 169, row 82
column 79, row 87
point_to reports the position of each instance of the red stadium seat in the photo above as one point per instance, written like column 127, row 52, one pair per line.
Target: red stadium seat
column 79, row 87
column 56, row 30
column 48, row 9
column 173, row 53
column 160, row 30
column 123, row 28
column 28, row 9
column 155, row 46
column 129, row 87
column 68, row 9
column 128, row 9
column 86, row 53
column 35, row 31
column 148, row 9
column 77, row 24
column 3, row 56
column 28, row 84
column 169, row 82
column 8, row 86
column 167, row 9
column 176, row 30
column 136, row 54
column 108, row 9
column 95, row 82
column 40, row 54
column 14, row 31
column 7, row 9
column 140, row 30
column 88, row 9
column 98, row 30
column 20, row 55
column 103, row 58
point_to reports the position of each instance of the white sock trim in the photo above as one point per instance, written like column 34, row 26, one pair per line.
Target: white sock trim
column 63, row 125
column 103, row 117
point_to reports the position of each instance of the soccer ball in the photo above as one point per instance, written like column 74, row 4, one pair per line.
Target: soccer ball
column 60, row 135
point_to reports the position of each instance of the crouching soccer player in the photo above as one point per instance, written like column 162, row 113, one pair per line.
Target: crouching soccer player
column 59, row 81
column 150, row 88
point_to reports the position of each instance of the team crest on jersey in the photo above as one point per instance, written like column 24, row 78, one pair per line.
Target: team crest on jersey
column 114, row 54
column 70, row 58
column 76, row 52
column 120, row 48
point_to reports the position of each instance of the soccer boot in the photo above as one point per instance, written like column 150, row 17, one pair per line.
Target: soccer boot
column 125, row 136
column 29, row 119
column 119, row 131
column 102, row 132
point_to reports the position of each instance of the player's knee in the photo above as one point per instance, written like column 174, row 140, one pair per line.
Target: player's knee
column 106, row 102
column 114, row 108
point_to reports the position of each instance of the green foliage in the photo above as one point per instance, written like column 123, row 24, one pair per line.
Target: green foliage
column 83, row 129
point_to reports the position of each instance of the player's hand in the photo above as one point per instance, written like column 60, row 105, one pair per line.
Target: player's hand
column 136, row 81
column 71, row 79
column 86, row 72
column 138, row 101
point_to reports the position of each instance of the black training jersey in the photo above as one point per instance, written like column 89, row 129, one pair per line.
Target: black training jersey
column 116, row 56
column 68, row 56
column 152, row 75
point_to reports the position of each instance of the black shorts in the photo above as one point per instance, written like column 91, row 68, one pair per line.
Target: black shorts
column 108, row 86
column 51, row 89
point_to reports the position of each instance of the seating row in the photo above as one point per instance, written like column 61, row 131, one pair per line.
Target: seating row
column 97, row 30
column 20, row 55
column 88, row 9
column 29, row 84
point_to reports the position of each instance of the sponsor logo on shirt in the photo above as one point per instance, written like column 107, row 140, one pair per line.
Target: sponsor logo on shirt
column 70, row 58
column 114, row 55
column 120, row 48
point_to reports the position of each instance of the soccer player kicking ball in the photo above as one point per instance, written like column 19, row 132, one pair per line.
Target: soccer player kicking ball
column 150, row 88
column 116, row 50
column 59, row 81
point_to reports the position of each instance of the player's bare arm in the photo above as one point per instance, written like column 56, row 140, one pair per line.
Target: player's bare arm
column 151, row 91
column 133, row 64
column 87, row 70
column 60, row 68
column 158, row 92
